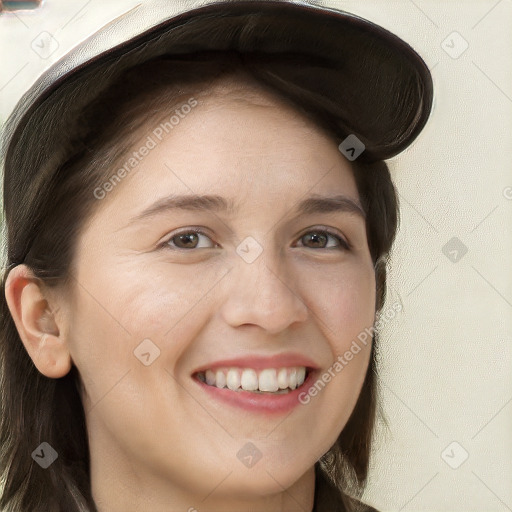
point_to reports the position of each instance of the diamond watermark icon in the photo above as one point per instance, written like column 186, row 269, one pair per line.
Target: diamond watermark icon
column 454, row 250
column 454, row 45
column 351, row 147
column 44, row 455
column 454, row 455
column 249, row 249
column 249, row 455
column 44, row 45
column 146, row 352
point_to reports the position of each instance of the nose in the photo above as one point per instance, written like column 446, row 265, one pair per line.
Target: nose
column 264, row 297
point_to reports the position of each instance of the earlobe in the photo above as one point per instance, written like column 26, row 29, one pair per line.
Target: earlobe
column 36, row 321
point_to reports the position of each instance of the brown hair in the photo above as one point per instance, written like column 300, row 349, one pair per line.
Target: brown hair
column 44, row 223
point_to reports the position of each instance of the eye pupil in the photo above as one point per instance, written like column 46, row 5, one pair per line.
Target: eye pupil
column 187, row 238
column 317, row 237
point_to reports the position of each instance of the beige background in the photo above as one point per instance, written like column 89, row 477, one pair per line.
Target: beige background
column 446, row 358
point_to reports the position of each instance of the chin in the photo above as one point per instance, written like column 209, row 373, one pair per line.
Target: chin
column 265, row 480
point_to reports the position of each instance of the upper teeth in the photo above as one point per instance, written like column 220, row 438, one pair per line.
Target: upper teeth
column 269, row 379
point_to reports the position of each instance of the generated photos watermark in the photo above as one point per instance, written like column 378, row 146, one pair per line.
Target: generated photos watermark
column 343, row 359
column 151, row 142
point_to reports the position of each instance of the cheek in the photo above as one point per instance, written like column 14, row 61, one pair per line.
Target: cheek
column 345, row 306
column 158, row 302
column 115, row 312
column 345, row 302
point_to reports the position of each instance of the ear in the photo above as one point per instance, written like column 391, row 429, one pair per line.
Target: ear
column 35, row 316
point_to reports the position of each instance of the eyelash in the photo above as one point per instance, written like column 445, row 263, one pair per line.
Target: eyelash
column 324, row 231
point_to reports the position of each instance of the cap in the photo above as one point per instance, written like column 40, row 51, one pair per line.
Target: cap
column 357, row 65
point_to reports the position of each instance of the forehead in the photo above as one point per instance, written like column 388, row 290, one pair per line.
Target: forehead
column 238, row 129
column 240, row 140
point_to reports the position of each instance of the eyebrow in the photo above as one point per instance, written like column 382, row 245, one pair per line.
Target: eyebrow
column 215, row 203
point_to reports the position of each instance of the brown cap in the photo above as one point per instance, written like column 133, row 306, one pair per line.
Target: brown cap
column 357, row 65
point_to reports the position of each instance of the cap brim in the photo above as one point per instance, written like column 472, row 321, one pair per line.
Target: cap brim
column 358, row 65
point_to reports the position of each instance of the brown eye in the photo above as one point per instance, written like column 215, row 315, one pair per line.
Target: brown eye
column 187, row 240
column 318, row 239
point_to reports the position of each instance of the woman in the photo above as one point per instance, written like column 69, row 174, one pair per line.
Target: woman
column 198, row 220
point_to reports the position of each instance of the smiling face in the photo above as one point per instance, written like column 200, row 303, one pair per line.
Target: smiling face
column 263, row 285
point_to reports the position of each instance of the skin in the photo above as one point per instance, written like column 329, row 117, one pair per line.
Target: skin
column 157, row 441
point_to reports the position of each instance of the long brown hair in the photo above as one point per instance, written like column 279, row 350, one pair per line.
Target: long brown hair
column 44, row 222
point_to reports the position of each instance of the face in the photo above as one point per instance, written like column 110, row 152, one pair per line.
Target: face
column 253, row 295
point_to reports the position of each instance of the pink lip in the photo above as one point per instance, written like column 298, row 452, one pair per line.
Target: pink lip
column 260, row 403
column 261, row 362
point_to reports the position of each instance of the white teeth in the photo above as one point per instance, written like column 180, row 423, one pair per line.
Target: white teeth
column 269, row 380
column 282, row 378
column 233, row 379
column 301, row 376
column 249, row 380
column 293, row 378
column 210, row 378
column 220, row 379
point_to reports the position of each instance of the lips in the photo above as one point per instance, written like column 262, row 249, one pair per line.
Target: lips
column 259, row 363
column 262, row 384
